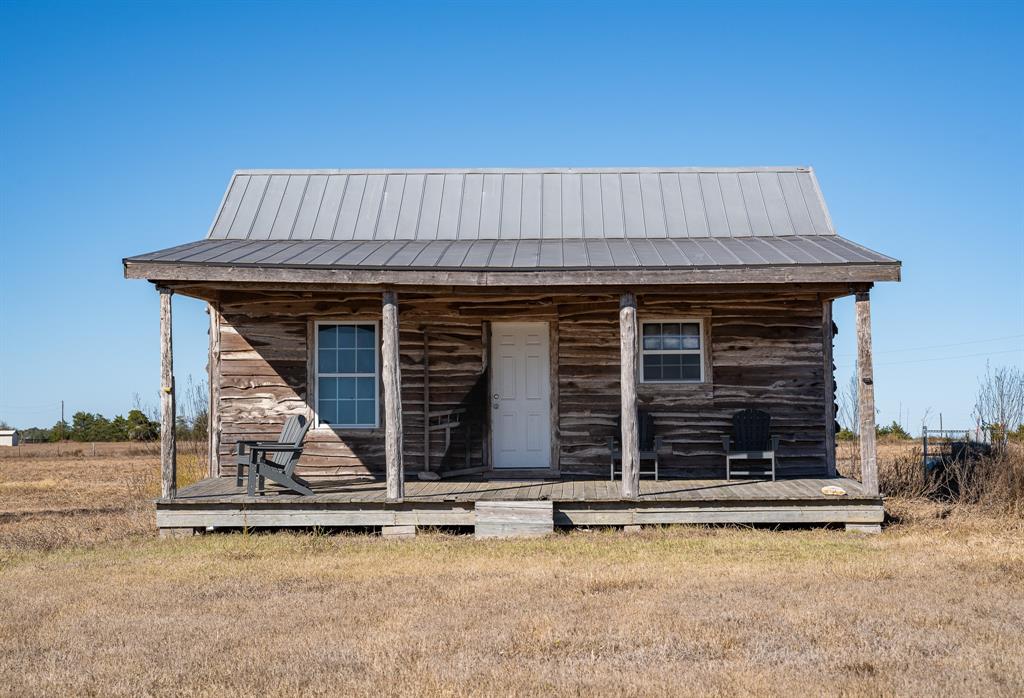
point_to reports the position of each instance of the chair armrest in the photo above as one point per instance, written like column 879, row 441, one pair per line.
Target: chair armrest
column 659, row 443
column 276, row 448
column 726, row 443
column 775, row 443
column 240, row 446
column 612, row 443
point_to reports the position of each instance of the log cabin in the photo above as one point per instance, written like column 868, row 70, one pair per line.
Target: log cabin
column 466, row 345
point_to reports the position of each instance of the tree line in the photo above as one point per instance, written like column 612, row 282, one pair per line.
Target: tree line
column 135, row 426
column 140, row 424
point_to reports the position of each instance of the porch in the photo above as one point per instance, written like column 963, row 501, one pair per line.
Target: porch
column 521, row 506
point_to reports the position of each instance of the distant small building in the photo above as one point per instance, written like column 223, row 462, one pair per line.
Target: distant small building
column 8, row 437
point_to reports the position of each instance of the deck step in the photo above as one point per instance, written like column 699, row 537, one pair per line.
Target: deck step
column 517, row 519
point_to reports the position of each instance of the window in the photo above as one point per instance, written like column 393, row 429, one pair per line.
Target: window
column 672, row 352
column 346, row 374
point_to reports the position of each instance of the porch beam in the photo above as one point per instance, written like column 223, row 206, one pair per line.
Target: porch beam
column 866, row 395
column 628, row 359
column 168, row 443
column 392, row 377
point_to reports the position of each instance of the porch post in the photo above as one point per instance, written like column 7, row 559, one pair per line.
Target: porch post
column 629, row 438
column 213, row 410
column 827, row 337
column 866, row 395
column 392, row 399
column 168, row 444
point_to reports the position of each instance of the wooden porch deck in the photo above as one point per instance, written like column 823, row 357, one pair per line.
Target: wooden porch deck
column 219, row 503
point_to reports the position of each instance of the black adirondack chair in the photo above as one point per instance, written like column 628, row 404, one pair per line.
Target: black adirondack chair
column 751, row 441
column 274, row 460
column 650, row 444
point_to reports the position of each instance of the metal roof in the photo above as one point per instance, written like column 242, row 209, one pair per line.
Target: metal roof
column 521, row 204
column 527, row 254
column 384, row 224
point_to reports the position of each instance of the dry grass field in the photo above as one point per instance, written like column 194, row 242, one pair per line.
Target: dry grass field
column 93, row 603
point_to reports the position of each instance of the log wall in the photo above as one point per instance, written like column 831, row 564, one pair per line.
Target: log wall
column 766, row 351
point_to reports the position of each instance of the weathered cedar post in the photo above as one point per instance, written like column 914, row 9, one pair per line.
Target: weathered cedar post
column 866, row 395
column 213, row 410
column 392, row 399
column 828, row 366
column 630, row 441
column 168, row 445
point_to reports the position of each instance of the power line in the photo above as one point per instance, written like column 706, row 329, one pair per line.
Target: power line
column 944, row 346
column 948, row 358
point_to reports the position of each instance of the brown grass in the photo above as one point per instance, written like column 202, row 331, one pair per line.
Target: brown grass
column 933, row 605
column 994, row 484
column 49, row 501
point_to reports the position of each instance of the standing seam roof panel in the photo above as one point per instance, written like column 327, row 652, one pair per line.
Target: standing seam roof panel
column 521, row 204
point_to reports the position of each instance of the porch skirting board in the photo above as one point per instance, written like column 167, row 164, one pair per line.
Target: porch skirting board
column 527, row 508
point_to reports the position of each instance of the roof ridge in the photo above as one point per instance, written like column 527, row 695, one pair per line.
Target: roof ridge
column 516, row 170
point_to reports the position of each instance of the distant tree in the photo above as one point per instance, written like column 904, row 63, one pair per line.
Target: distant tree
column 849, row 407
column 86, row 426
column 60, row 431
column 139, row 427
column 35, row 435
column 846, row 434
column 5, row 425
column 894, row 430
column 999, row 404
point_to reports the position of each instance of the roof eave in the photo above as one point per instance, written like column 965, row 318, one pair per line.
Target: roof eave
column 757, row 274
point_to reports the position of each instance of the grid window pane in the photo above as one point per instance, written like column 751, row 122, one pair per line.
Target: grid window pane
column 690, row 367
column 346, row 361
column 329, row 388
column 366, row 412
column 328, row 336
column 366, row 388
column 652, row 335
column 346, row 412
column 652, row 367
column 346, row 388
column 365, row 335
column 691, row 335
column 366, row 360
column 328, row 410
column 328, row 361
column 346, row 336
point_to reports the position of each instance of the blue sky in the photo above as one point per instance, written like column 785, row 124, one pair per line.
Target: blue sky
column 121, row 123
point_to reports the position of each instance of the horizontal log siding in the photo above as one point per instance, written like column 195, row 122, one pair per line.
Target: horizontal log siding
column 766, row 352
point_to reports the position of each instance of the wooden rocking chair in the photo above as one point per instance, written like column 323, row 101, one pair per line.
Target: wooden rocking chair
column 649, row 444
column 751, row 440
column 274, row 460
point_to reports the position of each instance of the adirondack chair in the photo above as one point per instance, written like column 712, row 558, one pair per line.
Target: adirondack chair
column 649, row 445
column 274, row 460
column 751, row 441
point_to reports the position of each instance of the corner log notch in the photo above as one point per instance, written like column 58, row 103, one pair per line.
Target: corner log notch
column 392, row 398
column 629, row 437
column 168, row 445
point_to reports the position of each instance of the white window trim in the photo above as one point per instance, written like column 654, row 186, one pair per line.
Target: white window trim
column 698, row 352
column 375, row 375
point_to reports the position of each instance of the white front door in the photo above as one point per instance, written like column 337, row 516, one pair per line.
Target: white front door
column 520, row 395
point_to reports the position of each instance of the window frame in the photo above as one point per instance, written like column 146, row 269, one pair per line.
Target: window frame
column 319, row 423
column 700, row 352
